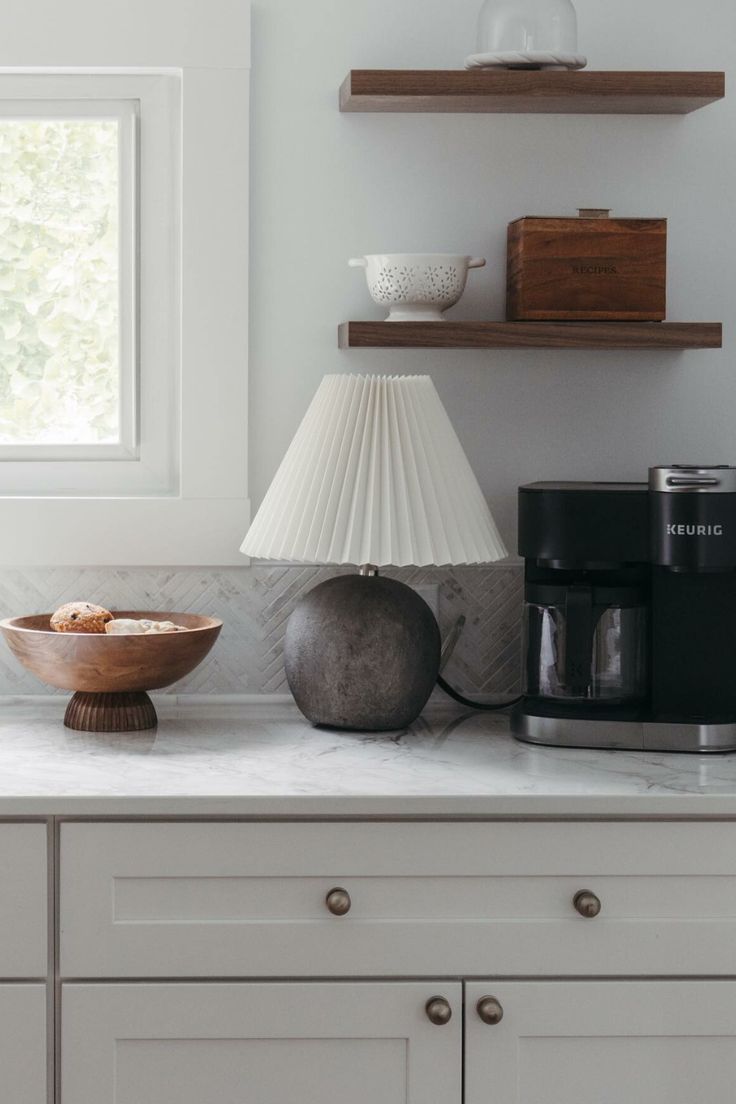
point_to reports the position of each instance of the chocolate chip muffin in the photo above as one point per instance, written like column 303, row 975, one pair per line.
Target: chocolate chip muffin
column 80, row 617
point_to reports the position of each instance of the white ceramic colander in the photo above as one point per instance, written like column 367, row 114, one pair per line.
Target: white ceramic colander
column 416, row 287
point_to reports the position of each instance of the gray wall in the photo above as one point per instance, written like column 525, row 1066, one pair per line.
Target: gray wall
column 330, row 186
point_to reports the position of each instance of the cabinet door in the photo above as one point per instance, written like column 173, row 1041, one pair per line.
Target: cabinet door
column 602, row 1041
column 23, row 901
column 266, row 1043
column 23, row 1057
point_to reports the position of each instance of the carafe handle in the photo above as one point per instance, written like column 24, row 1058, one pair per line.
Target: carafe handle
column 581, row 619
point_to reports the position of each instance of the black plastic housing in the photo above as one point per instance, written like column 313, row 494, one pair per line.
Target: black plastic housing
column 693, row 646
column 580, row 524
column 694, row 532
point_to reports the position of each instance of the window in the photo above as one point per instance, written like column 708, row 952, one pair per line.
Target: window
column 123, row 284
column 68, row 274
column 89, row 389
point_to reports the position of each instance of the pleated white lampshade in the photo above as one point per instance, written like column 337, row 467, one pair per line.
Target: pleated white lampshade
column 375, row 475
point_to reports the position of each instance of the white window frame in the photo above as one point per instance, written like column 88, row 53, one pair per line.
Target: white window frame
column 180, row 496
column 145, row 462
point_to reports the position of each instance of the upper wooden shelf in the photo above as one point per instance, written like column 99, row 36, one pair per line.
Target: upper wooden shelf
column 584, row 92
column 530, row 335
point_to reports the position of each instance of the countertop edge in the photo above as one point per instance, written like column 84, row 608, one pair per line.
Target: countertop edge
column 662, row 807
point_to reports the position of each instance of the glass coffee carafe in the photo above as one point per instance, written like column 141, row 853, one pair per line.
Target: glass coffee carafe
column 586, row 637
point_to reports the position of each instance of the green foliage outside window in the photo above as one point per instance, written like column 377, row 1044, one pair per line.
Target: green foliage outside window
column 59, row 324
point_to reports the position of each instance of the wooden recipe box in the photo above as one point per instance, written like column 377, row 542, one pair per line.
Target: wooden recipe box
column 588, row 268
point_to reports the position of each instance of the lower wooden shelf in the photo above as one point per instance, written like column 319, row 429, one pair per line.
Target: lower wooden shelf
column 531, row 335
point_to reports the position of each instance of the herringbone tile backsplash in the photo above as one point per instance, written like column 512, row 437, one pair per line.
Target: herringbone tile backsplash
column 255, row 602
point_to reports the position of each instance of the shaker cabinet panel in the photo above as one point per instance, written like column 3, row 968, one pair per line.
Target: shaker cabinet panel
column 23, row 901
column 643, row 1042
column 23, row 1055
column 252, row 900
column 263, row 1043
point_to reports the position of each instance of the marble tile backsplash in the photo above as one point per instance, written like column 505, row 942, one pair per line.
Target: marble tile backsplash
column 254, row 604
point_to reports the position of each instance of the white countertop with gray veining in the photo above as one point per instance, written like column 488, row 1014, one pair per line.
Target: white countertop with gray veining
column 212, row 759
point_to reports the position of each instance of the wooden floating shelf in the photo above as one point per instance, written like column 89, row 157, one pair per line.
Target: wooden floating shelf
column 584, row 92
column 531, row 335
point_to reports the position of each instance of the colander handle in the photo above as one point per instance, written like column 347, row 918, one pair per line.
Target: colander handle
column 475, row 262
column 361, row 262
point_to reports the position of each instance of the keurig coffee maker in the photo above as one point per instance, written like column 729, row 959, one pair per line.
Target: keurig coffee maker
column 630, row 612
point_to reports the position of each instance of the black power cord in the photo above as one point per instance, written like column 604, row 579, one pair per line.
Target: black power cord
column 447, row 650
column 485, row 707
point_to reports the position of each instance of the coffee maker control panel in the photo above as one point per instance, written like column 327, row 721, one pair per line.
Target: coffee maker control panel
column 693, row 517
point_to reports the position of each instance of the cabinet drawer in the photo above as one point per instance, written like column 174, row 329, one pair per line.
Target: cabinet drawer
column 249, row 900
column 23, row 901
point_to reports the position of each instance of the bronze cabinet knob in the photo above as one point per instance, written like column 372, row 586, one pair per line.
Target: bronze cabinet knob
column 587, row 904
column 338, row 901
column 489, row 1010
column 438, row 1011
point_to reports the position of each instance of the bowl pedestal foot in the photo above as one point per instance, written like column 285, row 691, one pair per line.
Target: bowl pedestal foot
column 121, row 712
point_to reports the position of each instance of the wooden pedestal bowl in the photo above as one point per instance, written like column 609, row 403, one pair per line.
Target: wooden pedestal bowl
column 111, row 674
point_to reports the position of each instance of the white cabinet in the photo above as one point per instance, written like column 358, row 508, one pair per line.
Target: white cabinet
column 268, row 1043
column 23, row 1070
column 641, row 1042
column 608, row 1042
column 279, row 998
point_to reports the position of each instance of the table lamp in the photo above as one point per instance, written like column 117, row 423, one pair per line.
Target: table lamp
column 375, row 476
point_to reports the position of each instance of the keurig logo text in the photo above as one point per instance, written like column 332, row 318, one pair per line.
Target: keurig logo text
column 694, row 530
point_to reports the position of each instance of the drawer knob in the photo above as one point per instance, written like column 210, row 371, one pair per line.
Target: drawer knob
column 587, row 904
column 490, row 1010
column 438, row 1011
column 338, row 901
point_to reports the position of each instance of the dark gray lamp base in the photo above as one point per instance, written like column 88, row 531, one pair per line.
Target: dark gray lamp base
column 362, row 652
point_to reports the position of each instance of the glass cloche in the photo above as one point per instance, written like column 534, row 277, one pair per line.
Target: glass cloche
column 528, row 27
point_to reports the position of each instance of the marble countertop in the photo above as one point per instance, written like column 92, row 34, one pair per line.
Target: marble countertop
column 212, row 759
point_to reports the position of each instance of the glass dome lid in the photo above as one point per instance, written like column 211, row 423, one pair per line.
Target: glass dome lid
column 527, row 27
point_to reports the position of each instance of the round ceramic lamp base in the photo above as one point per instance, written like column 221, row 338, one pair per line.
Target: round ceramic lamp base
column 120, row 712
column 362, row 652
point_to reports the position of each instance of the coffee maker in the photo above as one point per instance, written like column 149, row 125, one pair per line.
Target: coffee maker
column 630, row 612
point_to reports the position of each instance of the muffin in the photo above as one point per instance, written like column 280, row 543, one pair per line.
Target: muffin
column 80, row 617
